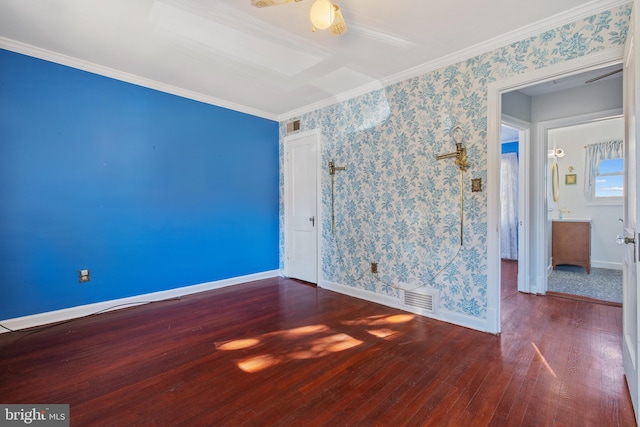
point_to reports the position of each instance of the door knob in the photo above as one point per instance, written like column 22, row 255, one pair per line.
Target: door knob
column 625, row 240
column 313, row 221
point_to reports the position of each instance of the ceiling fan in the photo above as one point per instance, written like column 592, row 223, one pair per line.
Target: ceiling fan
column 324, row 14
column 611, row 73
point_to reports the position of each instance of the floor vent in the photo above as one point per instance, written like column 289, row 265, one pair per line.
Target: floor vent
column 419, row 300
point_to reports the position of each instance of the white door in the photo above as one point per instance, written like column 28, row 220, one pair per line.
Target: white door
column 630, row 303
column 300, row 210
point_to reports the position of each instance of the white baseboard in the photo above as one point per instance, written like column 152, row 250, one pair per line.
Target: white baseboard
column 364, row 294
column 441, row 314
column 607, row 264
column 596, row 264
column 117, row 304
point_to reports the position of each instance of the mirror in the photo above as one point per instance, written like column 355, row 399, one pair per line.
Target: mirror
column 555, row 181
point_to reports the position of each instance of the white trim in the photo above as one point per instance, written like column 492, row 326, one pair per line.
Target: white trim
column 117, row 304
column 524, row 198
column 572, row 15
column 360, row 293
column 319, row 209
column 80, row 64
column 543, row 127
column 494, row 117
column 441, row 314
column 578, row 120
column 318, row 146
column 606, row 264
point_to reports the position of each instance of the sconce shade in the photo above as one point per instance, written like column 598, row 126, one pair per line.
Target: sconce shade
column 322, row 14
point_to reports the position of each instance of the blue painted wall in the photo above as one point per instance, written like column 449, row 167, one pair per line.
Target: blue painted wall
column 148, row 190
column 510, row 147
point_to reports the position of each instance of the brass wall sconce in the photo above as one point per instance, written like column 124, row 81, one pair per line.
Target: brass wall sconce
column 461, row 161
column 461, row 153
column 332, row 171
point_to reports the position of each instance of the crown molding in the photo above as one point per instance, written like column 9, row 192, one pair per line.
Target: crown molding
column 591, row 8
column 58, row 58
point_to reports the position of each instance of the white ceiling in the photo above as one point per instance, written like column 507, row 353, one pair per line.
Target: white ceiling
column 267, row 61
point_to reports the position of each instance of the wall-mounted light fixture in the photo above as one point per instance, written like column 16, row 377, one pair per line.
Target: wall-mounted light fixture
column 461, row 161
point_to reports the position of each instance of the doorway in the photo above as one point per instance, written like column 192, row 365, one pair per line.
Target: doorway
column 536, row 182
column 515, row 198
column 577, row 205
column 301, row 192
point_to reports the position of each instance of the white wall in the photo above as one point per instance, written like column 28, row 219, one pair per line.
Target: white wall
column 517, row 104
column 605, row 253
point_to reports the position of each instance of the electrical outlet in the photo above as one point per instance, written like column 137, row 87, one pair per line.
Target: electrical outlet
column 84, row 276
column 374, row 267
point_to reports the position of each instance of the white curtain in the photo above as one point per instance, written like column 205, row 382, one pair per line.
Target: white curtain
column 509, row 200
column 594, row 155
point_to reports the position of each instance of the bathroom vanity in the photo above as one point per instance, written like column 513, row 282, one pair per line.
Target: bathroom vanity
column 571, row 242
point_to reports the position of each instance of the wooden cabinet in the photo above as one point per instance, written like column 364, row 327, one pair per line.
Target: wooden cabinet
column 571, row 243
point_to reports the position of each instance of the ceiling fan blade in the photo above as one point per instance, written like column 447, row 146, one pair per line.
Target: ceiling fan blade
column 267, row 3
column 611, row 73
column 339, row 26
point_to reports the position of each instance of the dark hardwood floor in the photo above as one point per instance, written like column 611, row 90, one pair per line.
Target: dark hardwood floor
column 280, row 352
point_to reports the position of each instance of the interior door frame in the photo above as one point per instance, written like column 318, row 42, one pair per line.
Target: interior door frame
column 630, row 272
column 524, row 154
column 542, row 141
column 538, row 211
column 287, row 141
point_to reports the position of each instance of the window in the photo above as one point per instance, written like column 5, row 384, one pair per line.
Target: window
column 609, row 178
column 604, row 173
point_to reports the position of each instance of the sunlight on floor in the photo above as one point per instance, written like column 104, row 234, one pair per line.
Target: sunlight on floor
column 304, row 330
column 535, row 347
column 258, row 363
column 324, row 346
column 319, row 347
column 381, row 320
column 238, row 344
column 311, row 341
column 382, row 333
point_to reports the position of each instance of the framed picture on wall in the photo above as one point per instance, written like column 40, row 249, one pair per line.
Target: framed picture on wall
column 570, row 179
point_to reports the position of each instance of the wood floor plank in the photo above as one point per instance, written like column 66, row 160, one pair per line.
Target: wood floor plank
column 279, row 352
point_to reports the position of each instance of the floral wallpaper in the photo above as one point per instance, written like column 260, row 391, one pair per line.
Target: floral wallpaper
column 395, row 204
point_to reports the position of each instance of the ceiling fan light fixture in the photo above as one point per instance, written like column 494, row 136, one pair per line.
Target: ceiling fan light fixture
column 322, row 14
